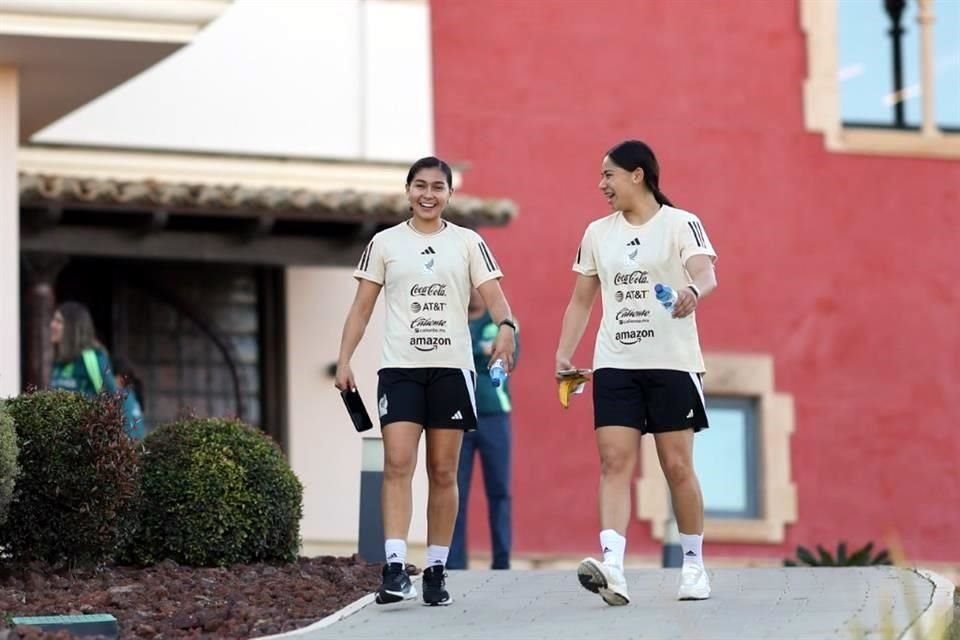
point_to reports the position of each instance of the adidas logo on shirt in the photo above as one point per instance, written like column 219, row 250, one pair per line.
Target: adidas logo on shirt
column 634, row 243
column 457, row 416
column 428, row 252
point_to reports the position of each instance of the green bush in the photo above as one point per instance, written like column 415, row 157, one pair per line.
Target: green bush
column 860, row 558
column 78, row 478
column 8, row 461
column 216, row 492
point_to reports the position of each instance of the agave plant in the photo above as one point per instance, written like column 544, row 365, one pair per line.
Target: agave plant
column 860, row 558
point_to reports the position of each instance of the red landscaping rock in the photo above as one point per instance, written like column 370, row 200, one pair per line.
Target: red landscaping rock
column 171, row 601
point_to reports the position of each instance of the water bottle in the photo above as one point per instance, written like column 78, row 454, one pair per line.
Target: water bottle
column 497, row 373
column 665, row 295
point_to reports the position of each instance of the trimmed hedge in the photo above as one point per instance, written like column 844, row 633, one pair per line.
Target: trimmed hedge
column 8, row 461
column 216, row 492
column 78, row 478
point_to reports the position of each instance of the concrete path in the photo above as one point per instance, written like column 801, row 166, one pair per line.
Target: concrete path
column 776, row 603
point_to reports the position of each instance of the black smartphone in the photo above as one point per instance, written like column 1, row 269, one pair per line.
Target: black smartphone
column 573, row 373
column 358, row 412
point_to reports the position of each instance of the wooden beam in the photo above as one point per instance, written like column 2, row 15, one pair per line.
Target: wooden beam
column 195, row 245
column 258, row 228
column 158, row 220
column 39, row 300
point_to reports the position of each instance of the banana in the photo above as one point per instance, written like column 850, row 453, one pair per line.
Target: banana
column 567, row 387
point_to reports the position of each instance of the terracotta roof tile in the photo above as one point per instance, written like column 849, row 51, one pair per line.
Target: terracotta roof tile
column 248, row 201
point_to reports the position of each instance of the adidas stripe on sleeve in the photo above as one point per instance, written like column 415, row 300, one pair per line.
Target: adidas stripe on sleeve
column 483, row 266
column 586, row 263
column 693, row 239
column 371, row 265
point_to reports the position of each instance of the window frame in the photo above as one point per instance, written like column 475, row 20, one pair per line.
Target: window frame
column 821, row 93
column 747, row 376
column 753, row 478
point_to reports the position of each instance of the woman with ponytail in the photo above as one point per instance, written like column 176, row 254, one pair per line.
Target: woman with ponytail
column 647, row 366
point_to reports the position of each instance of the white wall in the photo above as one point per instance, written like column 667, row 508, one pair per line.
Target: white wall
column 324, row 447
column 344, row 79
column 318, row 78
column 9, row 236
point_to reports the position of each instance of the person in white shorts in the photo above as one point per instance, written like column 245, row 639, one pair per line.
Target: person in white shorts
column 647, row 366
column 426, row 267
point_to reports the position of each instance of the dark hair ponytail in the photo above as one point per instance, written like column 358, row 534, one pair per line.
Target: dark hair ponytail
column 631, row 155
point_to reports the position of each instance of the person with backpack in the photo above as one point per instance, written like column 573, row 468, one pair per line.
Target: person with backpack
column 82, row 365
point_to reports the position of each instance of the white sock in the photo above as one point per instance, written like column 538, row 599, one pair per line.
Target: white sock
column 437, row 555
column 396, row 550
column 614, row 545
column 692, row 545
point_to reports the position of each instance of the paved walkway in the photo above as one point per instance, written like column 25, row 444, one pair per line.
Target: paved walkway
column 747, row 604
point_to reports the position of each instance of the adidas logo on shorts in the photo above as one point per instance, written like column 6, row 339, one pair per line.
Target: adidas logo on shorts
column 457, row 416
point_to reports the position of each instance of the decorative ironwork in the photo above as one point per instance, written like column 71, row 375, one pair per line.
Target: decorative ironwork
column 895, row 10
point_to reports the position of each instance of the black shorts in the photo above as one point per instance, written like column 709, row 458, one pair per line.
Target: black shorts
column 651, row 400
column 437, row 398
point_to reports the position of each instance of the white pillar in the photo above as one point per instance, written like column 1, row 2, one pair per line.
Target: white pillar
column 326, row 452
column 925, row 19
column 9, row 235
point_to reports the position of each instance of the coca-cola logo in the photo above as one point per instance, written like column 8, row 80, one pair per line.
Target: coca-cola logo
column 428, row 325
column 628, row 316
column 429, row 290
column 635, row 277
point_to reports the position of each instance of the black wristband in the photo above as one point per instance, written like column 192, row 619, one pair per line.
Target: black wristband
column 509, row 323
column 696, row 292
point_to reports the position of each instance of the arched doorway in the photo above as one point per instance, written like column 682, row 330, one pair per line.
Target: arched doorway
column 202, row 337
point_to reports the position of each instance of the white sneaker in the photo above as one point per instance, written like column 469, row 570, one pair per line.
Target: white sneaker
column 605, row 579
column 694, row 583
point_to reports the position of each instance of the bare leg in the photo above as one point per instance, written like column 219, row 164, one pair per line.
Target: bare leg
column 675, row 450
column 618, row 457
column 400, row 441
column 443, row 457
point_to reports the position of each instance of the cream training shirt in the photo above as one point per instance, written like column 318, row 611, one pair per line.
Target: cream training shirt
column 426, row 281
column 636, row 332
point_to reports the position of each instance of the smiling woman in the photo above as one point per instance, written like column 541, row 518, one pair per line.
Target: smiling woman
column 647, row 368
column 429, row 187
column 427, row 268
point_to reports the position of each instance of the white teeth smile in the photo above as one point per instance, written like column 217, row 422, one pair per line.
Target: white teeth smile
column 426, row 205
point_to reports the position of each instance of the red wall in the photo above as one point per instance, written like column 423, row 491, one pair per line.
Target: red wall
column 843, row 267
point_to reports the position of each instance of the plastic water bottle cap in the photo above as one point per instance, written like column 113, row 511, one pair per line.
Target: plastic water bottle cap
column 658, row 288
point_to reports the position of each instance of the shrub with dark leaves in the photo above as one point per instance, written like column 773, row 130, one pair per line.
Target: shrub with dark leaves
column 8, row 461
column 216, row 491
column 78, row 478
